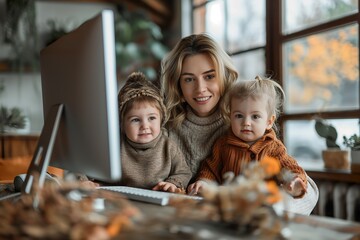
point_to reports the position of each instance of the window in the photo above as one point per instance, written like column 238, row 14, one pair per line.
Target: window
column 239, row 26
column 311, row 47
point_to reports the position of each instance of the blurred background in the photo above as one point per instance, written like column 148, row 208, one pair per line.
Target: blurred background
column 311, row 47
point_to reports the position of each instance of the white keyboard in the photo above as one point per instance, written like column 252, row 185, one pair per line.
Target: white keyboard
column 145, row 195
column 11, row 196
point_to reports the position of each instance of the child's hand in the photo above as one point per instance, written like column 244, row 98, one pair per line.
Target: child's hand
column 194, row 188
column 296, row 187
column 89, row 184
column 165, row 187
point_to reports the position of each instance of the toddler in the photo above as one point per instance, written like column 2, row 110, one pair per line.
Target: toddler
column 149, row 159
column 254, row 107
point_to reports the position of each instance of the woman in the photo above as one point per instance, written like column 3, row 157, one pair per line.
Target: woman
column 194, row 78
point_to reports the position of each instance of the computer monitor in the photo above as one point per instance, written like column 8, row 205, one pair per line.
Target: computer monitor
column 79, row 87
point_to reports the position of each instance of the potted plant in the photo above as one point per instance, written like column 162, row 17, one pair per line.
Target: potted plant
column 11, row 119
column 139, row 43
column 333, row 156
column 353, row 142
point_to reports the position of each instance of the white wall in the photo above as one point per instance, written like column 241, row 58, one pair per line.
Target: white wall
column 24, row 91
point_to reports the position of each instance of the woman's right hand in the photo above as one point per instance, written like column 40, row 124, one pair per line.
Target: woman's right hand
column 194, row 188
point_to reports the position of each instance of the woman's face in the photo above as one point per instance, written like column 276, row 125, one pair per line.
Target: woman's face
column 199, row 84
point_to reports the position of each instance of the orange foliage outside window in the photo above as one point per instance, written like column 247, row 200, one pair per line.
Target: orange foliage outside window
column 323, row 61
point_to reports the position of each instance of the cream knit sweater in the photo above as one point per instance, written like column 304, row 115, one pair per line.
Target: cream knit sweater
column 196, row 137
column 145, row 165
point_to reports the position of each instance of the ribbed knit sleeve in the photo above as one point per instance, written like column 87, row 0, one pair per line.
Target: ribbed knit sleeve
column 180, row 173
column 210, row 168
column 278, row 151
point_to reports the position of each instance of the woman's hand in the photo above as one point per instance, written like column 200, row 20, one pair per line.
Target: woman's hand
column 296, row 187
column 194, row 188
column 165, row 187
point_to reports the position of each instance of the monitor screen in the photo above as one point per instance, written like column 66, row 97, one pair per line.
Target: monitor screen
column 78, row 73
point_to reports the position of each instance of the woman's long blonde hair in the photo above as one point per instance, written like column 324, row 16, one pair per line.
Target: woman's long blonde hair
column 171, row 68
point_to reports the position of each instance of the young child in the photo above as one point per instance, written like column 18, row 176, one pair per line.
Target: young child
column 254, row 107
column 149, row 159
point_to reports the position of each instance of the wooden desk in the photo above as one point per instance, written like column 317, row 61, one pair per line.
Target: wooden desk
column 163, row 225
column 300, row 227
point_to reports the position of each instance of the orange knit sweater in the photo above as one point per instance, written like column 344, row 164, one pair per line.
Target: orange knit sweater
column 230, row 154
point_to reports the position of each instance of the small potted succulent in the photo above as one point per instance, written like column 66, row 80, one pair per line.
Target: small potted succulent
column 353, row 142
column 333, row 156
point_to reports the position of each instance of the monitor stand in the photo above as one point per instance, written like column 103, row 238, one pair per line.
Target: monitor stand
column 36, row 173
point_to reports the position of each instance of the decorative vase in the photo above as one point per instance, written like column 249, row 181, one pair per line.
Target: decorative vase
column 335, row 158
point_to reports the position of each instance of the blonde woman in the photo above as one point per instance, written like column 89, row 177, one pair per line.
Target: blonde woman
column 195, row 76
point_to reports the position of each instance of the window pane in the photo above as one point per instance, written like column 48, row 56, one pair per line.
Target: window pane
column 246, row 24
column 215, row 21
column 250, row 64
column 199, row 20
column 210, row 18
column 306, row 13
column 197, row 2
column 305, row 145
column 319, row 69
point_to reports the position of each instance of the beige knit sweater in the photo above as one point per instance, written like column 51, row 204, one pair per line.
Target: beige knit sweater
column 196, row 137
column 145, row 165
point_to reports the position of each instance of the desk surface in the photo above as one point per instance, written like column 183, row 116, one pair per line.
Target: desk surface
column 163, row 224
column 299, row 227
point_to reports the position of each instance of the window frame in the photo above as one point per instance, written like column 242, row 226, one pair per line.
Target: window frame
column 275, row 39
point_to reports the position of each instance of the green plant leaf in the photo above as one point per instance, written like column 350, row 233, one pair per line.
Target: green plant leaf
column 11, row 118
column 352, row 142
column 158, row 50
column 328, row 132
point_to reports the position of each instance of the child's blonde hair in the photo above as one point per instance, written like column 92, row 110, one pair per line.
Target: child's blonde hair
column 255, row 89
column 171, row 68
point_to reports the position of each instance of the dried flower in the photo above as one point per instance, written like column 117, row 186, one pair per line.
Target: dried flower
column 245, row 201
column 274, row 195
column 270, row 165
column 58, row 216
